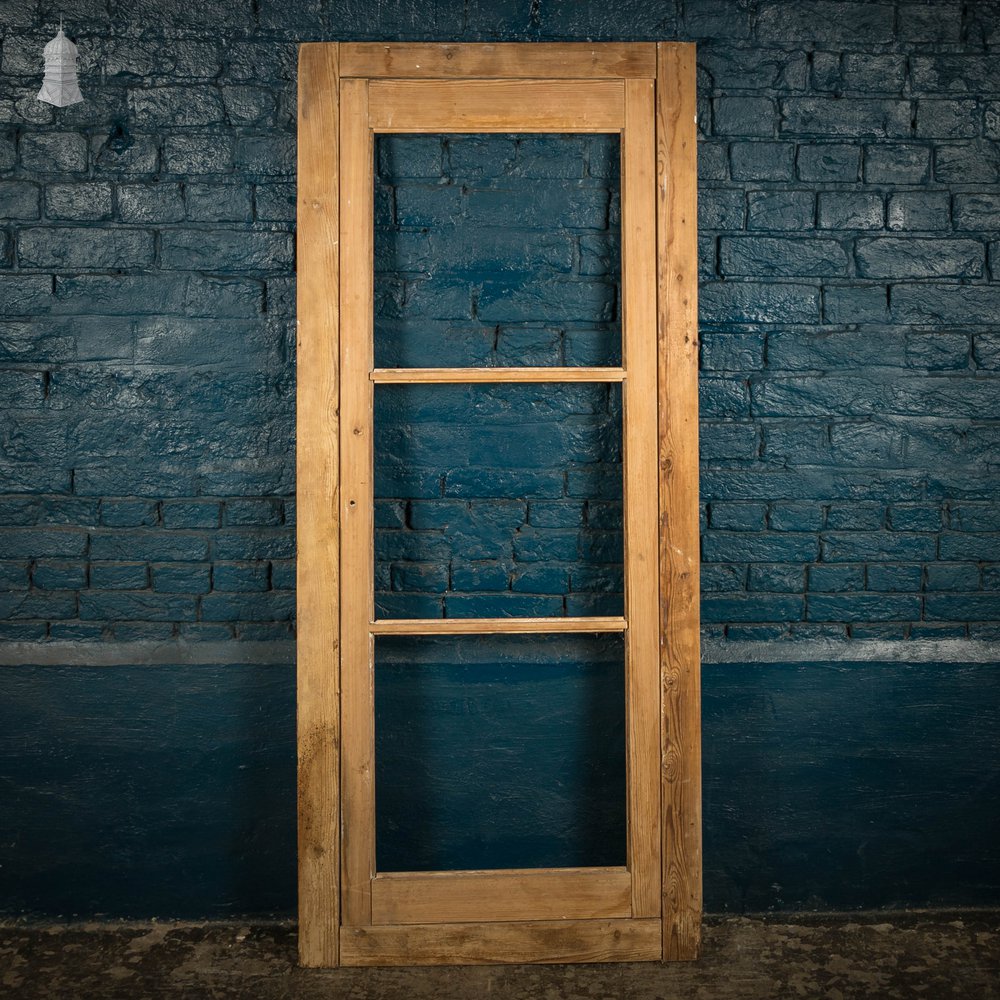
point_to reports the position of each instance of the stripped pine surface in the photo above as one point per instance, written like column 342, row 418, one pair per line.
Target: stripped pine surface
column 679, row 549
column 318, row 525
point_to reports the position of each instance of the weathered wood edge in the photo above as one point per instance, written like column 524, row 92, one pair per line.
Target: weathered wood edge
column 499, row 60
column 317, row 532
column 679, row 549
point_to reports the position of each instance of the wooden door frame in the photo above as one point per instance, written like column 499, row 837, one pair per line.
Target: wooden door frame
column 474, row 82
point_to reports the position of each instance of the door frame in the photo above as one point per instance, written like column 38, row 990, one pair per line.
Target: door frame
column 348, row 913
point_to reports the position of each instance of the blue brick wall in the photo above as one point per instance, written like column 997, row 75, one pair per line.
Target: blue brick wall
column 850, row 231
column 849, row 200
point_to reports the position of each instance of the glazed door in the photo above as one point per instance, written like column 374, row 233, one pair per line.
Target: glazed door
column 355, row 909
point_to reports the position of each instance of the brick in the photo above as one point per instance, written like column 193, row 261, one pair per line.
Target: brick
column 834, row 578
column 85, row 202
column 921, row 22
column 913, row 257
column 718, row 441
column 272, row 606
column 22, row 389
column 417, row 576
column 855, row 304
column 829, row 21
column 795, row 516
column 138, row 606
column 140, row 203
column 482, row 575
column 53, row 152
column 737, row 516
column 739, row 352
column 977, row 211
column 976, row 162
column 181, row 578
column 541, row 579
column 852, row 117
column 986, row 351
column 19, row 200
column 891, row 546
column 897, row 163
column 118, row 576
column 175, row 106
column 535, row 300
column 240, row 576
column 920, row 210
column 418, row 156
column 37, row 604
column 790, row 350
column 253, row 512
column 502, row 606
column 220, row 203
column 758, row 302
column 792, row 210
column 283, row 574
column 544, row 205
column 855, row 516
column 754, row 67
column 245, row 105
column 948, row 119
column 960, row 576
column 129, row 513
column 268, row 155
column 850, row 210
column 51, row 575
column 938, row 351
column 84, row 249
column 915, row 517
column 722, row 577
column 751, row 607
column 197, row 153
column 148, row 545
column 873, row 74
column 713, row 161
column 895, row 577
column 25, row 295
column 761, row 161
column 777, row 578
column 226, row 250
column 863, row 607
column 723, row 397
column 252, row 544
column 974, row 517
column 771, row 546
column 785, row 257
column 744, row 116
column 828, row 161
column 935, row 304
column 160, row 295
column 720, row 209
column 954, row 73
column 274, row 202
column 962, row 607
column 191, row 514
column 32, row 543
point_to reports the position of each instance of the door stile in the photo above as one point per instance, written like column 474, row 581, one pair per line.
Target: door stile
column 638, row 195
column 357, row 590
column 676, row 137
column 318, row 524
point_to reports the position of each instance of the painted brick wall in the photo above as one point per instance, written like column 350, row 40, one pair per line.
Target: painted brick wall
column 850, row 212
column 850, row 255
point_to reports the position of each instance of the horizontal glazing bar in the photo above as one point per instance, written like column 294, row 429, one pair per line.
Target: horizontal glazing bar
column 494, row 626
column 461, row 375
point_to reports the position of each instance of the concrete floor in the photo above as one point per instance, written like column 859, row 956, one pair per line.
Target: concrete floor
column 885, row 956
